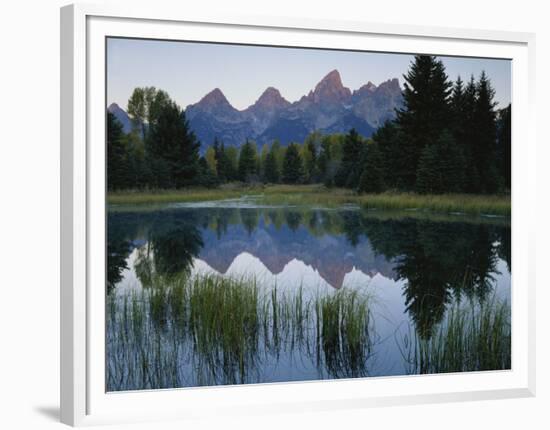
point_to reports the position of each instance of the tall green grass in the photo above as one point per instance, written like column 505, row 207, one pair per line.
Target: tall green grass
column 344, row 332
column 444, row 203
column 471, row 338
column 207, row 330
column 210, row 330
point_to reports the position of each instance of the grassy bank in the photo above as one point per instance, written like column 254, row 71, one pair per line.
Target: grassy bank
column 445, row 203
column 317, row 195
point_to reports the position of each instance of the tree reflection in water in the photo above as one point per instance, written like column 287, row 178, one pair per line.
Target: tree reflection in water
column 440, row 261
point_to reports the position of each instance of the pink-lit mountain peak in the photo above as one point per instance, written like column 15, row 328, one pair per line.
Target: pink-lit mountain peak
column 214, row 98
column 271, row 98
column 330, row 89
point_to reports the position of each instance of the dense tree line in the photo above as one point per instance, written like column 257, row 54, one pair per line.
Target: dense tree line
column 448, row 138
column 160, row 152
column 445, row 138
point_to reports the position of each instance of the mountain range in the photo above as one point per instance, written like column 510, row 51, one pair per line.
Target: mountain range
column 329, row 108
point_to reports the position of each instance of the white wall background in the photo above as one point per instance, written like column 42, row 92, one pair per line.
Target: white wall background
column 29, row 216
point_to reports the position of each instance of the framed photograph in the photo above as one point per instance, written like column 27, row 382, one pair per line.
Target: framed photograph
column 272, row 214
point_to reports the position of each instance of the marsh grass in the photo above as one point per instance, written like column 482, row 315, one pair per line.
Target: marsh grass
column 443, row 203
column 471, row 338
column 343, row 320
column 210, row 330
column 318, row 195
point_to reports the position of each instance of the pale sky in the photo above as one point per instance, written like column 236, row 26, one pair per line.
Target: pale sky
column 189, row 70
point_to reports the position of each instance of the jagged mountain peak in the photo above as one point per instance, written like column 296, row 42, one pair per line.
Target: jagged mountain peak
column 364, row 91
column 392, row 84
column 271, row 98
column 369, row 86
column 214, row 98
column 332, row 78
column 330, row 89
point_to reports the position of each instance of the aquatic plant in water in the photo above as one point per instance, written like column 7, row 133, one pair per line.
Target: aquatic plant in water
column 470, row 338
column 207, row 330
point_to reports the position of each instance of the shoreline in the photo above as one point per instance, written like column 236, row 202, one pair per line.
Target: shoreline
column 308, row 195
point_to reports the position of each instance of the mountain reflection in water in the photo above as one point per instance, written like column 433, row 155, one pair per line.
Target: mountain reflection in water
column 414, row 268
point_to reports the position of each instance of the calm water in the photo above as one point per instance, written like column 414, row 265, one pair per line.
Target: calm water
column 412, row 269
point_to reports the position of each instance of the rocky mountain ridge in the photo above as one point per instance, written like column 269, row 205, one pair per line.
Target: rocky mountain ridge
column 329, row 108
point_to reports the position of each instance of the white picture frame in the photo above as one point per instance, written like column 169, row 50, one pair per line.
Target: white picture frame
column 83, row 397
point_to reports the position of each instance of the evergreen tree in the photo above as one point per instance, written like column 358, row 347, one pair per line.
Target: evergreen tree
column 459, row 111
column 279, row 152
column 248, row 163
column 330, row 158
column 232, row 167
column 372, row 177
column 426, row 111
column 350, row 168
column 452, row 164
column 323, row 161
column 173, row 147
column 262, row 160
column 187, row 154
column 310, row 155
column 485, row 150
column 271, row 169
column 117, row 157
column 217, row 158
column 441, row 167
column 505, row 144
column 224, row 168
column 469, row 136
column 428, row 177
column 293, row 170
column 205, row 176
column 463, row 100
column 390, row 144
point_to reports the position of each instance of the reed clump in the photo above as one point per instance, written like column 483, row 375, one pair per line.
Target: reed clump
column 345, row 338
column 471, row 338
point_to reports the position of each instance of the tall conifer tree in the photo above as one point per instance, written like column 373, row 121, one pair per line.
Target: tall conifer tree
column 173, row 146
column 350, row 168
column 485, row 150
column 469, row 134
column 248, row 163
column 117, row 157
column 505, row 144
column 426, row 111
column 390, row 144
column 271, row 169
column 372, row 176
column 293, row 169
